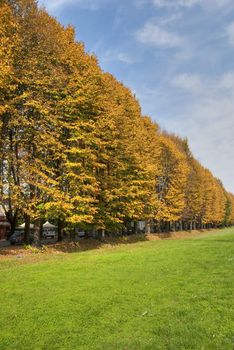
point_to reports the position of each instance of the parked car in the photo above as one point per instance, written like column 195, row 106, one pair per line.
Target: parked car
column 48, row 234
column 80, row 233
column 18, row 238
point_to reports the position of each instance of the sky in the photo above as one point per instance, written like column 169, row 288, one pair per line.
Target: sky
column 177, row 56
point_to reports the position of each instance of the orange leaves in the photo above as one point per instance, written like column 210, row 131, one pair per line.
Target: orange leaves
column 171, row 180
column 76, row 146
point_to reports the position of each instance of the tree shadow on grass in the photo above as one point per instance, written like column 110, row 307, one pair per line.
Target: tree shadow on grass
column 91, row 243
column 88, row 244
column 81, row 245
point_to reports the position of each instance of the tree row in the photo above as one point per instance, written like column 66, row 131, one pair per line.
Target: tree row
column 75, row 147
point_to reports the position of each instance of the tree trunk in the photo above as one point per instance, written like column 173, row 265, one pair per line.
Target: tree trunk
column 12, row 219
column 27, row 229
column 37, row 233
column 181, row 226
column 60, row 230
column 163, row 226
column 13, row 224
column 134, row 229
column 173, row 226
column 168, row 226
column 147, row 227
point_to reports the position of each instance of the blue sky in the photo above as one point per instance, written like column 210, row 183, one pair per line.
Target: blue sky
column 177, row 56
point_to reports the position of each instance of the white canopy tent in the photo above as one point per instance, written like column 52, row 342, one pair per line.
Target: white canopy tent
column 49, row 230
column 22, row 227
column 47, row 225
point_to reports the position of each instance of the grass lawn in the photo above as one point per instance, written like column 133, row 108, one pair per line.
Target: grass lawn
column 168, row 294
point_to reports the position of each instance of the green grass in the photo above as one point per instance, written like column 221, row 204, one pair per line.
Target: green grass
column 170, row 294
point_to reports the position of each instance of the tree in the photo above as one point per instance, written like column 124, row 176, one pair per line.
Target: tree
column 171, row 182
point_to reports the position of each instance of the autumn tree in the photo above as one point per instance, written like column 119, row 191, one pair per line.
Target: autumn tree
column 74, row 144
column 9, row 43
column 171, row 182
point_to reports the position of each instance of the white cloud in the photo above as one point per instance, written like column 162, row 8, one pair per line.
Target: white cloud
column 115, row 55
column 154, row 35
column 52, row 5
column 209, row 126
column 208, row 123
column 230, row 33
column 189, row 3
column 57, row 5
column 175, row 3
column 203, row 111
column 215, row 87
column 227, row 82
column 189, row 82
column 170, row 19
column 125, row 58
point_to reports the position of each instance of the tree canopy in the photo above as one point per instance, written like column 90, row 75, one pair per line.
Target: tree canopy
column 75, row 146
